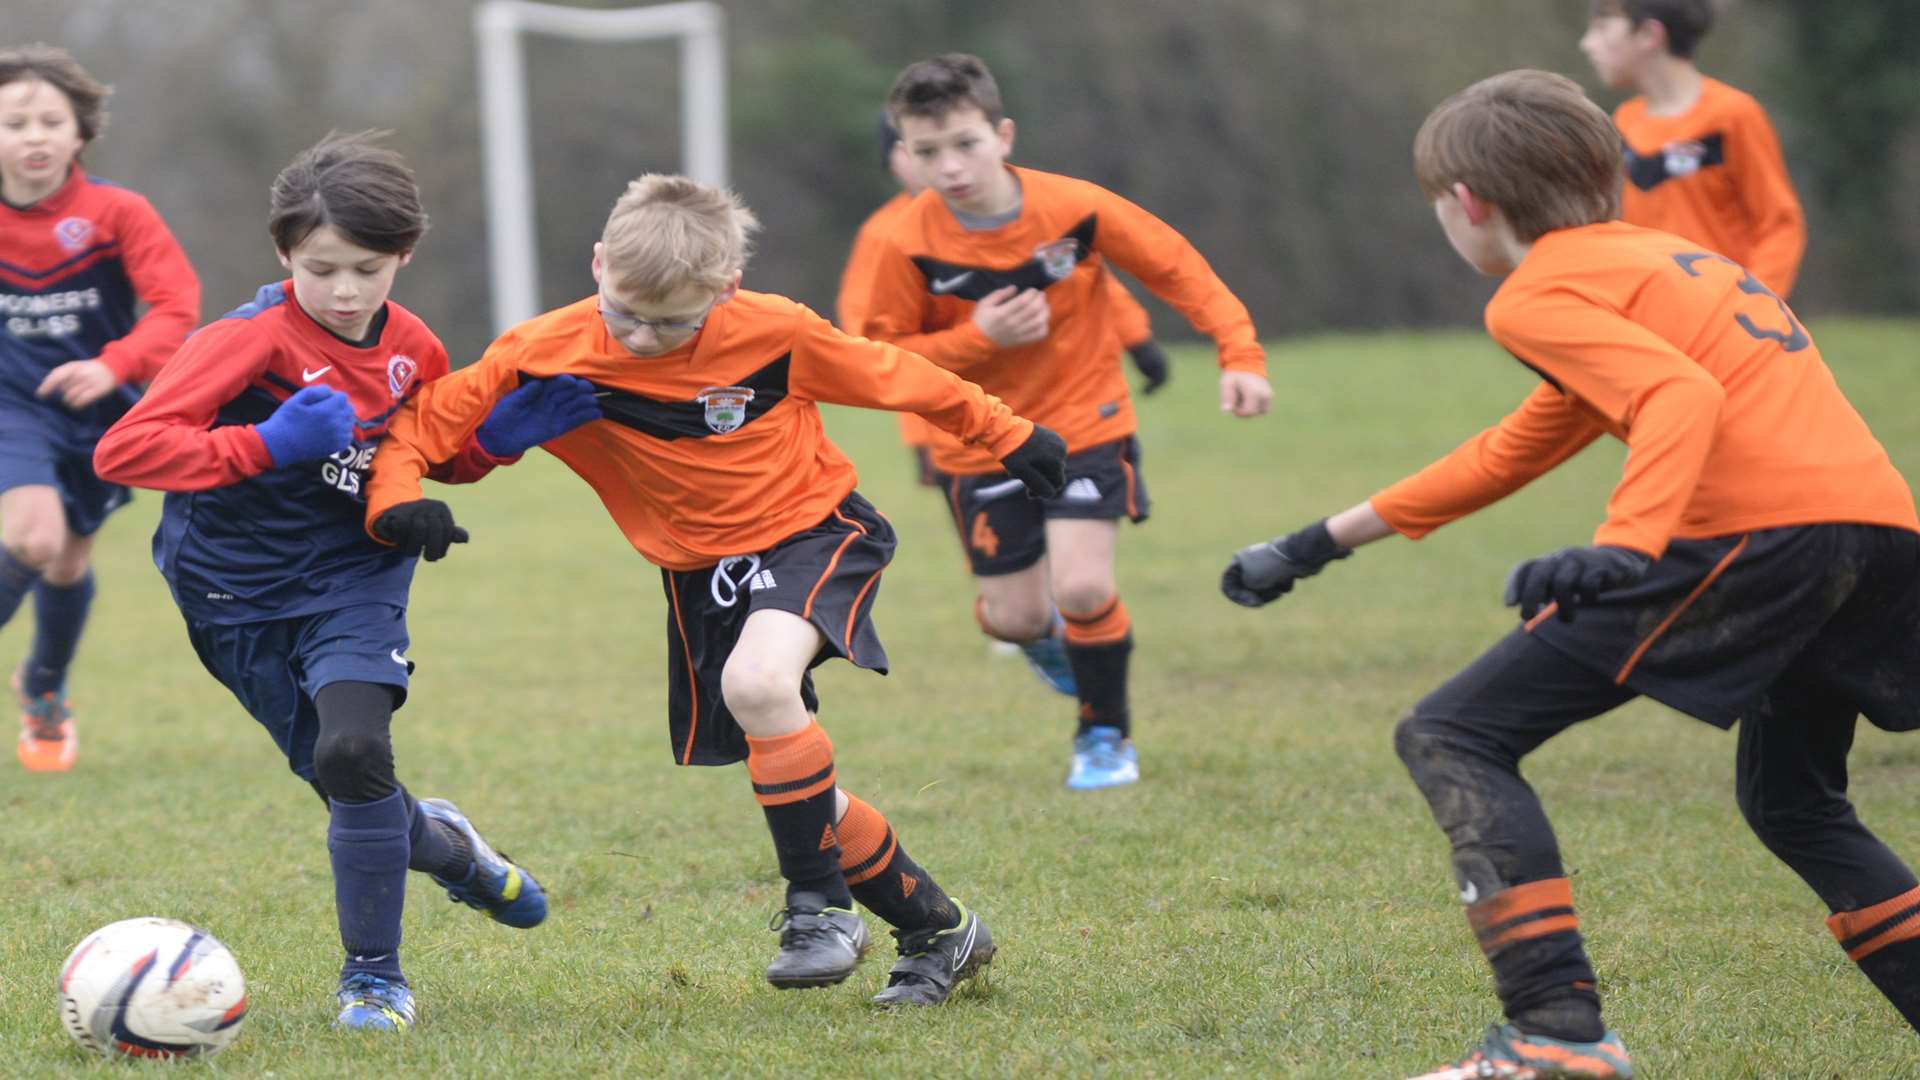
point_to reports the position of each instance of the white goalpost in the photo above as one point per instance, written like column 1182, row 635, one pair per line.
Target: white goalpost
column 498, row 25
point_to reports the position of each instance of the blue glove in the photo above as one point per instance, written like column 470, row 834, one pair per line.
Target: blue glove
column 540, row 411
column 316, row 422
column 1573, row 576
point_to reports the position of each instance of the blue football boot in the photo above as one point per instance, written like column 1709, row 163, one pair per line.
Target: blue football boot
column 493, row 884
column 1102, row 757
column 371, row 1003
column 1048, row 659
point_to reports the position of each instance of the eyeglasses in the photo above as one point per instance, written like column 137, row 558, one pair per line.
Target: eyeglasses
column 621, row 324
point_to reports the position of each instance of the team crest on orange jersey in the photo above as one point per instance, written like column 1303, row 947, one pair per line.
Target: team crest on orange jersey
column 726, row 407
column 74, row 233
column 400, row 371
column 1685, row 157
column 1059, row 257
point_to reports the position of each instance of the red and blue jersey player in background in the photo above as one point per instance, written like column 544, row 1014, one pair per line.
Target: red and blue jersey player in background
column 260, row 430
column 76, row 256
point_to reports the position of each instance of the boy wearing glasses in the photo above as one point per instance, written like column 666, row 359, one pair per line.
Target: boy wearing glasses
column 711, row 458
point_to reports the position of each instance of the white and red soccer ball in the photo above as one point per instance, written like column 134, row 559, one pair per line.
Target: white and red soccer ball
column 152, row 988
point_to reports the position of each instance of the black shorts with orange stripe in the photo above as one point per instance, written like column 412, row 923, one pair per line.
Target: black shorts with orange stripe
column 1717, row 622
column 828, row 575
column 1005, row 532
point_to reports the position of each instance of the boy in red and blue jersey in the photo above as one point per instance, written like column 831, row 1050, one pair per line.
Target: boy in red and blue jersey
column 261, row 429
column 76, row 255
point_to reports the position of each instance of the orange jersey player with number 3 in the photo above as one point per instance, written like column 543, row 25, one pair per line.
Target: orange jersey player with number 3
column 1000, row 273
column 1759, row 562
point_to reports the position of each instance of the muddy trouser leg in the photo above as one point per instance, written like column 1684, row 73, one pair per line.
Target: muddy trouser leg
column 1792, row 785
column 1463, row 744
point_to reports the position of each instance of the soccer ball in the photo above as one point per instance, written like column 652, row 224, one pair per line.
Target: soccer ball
column 152, row 988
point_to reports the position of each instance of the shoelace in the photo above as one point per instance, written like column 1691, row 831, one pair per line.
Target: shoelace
column 787, row 921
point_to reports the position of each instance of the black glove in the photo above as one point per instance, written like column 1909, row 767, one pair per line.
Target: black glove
column 1573, row 576
column 1265, row 572
column 1040, row 463
column 1152, row 363
column 422, row 527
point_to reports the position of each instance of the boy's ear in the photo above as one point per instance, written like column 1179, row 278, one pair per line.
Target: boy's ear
column 1656, row 33
column 1472, row 205
column 286, row 260
column 732, row 288
column 599, row 263
column 1004, row 129
column 406, row 257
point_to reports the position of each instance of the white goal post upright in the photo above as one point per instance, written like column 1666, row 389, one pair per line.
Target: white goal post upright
column 513, row 253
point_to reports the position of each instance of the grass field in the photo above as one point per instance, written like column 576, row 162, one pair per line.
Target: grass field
column 1272, row 900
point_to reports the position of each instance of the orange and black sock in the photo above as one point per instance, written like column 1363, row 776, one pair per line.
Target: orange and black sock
column 1540, row 968
column 882, row 877
column 1884, row 939
column 793, row 779
column 1099, row 643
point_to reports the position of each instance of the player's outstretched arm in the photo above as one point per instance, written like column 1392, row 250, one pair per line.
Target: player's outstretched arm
column 1259, row 574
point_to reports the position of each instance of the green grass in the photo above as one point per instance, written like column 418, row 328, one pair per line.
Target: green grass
column 1272, row 900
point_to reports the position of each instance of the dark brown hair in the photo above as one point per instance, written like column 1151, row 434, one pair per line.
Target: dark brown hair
column 349, row 182
column 1687, row 21
column 57, row 68
column 1529, row 142
column 934, row 87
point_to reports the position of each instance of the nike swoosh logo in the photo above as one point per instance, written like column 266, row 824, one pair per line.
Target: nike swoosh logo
column 948, row 284
column 398, row 659
column 309, row 376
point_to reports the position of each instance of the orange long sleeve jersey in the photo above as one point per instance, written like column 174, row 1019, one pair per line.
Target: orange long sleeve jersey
column 1732, row 420
column 1714, row 174
column 713, row 450
column 934, row 270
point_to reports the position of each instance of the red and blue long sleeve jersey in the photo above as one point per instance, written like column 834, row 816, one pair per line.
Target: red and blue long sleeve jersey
column 241, row 540
column 72, row 268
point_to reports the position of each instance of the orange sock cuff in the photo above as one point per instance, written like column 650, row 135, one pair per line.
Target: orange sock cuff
column 1865, row 932
column 1522, row 913
column 788, row 768
column 1104, row 625
column 866, row 842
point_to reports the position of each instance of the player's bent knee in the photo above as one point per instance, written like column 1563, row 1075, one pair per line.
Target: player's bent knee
column 1018, row 623
column 355, row 766
column 34, row 548
column 1085, row 595
column 753, row 690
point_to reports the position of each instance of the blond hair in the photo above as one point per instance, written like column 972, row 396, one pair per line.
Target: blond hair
column 667, row 232
column 1529, row 142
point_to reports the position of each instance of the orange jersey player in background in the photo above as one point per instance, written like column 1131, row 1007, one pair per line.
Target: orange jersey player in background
column 711, row 458
column 1000, row 273
column 1131, row 322
column 1702, row 161
column 1759, row 562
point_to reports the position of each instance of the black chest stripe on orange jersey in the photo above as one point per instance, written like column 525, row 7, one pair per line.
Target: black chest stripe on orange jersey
column 670, row 420
column 975, row 282
column 1657, row 168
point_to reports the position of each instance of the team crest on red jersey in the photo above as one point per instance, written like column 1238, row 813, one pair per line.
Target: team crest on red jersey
column 726, row 407
column 400, row 372
column 74, row 233
column 1059, row 257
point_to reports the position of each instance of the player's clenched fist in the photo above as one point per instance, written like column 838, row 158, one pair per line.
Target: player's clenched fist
column 1040, row 463
column 423, row 527
column 315, row 422
column 1573, row 577
column 1263, row 573
column 1013, row 316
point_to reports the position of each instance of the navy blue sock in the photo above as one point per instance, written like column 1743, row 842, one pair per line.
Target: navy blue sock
column 16, row 578
column 368, row 844
column 437, row 848
column 60, row 612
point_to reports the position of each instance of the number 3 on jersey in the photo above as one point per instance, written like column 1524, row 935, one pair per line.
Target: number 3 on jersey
column 1792, row 339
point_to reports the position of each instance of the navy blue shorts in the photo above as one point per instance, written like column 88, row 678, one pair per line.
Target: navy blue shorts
column 27, row 460
column 276, row 667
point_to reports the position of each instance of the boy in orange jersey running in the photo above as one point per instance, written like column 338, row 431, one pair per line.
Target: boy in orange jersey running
column 1759, row 562
column 712, row 460
column 999, row 273
column 1131, row 320
column 1702, row 159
